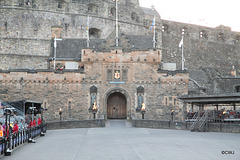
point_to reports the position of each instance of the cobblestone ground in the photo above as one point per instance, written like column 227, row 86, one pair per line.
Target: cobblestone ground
column 119, row 141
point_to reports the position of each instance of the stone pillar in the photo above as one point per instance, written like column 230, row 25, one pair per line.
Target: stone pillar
column 184, row 111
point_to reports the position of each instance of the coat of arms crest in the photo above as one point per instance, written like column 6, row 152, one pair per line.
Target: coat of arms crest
column 117, row 75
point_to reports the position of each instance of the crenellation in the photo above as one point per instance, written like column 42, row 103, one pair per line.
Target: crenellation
column 175, row 29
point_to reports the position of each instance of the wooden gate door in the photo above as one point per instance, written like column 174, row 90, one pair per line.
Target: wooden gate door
column 117, row 106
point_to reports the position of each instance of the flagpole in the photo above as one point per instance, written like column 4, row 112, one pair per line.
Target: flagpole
column 116, row 23
column 154, row 34
column 55, row 52
column 182, row 55
column 88, row 39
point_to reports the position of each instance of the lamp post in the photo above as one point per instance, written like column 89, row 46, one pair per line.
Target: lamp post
column 94, row 109
column 143, row 110
column 60, row 114
column 172, row 111
column 117, row 38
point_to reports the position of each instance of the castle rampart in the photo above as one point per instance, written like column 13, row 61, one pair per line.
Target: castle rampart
column 203, row 46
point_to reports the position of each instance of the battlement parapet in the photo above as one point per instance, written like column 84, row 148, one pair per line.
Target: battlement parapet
column 104, row 8
column 41, row 76
column 220, row 34
column 117, row 55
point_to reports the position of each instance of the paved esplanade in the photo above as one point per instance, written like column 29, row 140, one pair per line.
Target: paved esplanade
column 119, row 141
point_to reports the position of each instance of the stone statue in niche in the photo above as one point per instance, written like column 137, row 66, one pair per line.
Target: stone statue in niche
column 140, row 100
column 93, row 94
column 93, row 99
column 140, row 94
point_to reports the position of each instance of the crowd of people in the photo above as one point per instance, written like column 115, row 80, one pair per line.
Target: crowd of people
column 18, row 126
column 216, row 114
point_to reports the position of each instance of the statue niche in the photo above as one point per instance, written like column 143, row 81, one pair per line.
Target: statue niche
column 93, row 97
column 140, row 98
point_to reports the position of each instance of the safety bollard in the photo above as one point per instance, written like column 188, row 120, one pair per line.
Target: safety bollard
column 8, row 145
column 15, row 140
column 23, row 134
column 18, row 139
column 33, row 132
column 42, row 130
column 12, row 142
column 45, row 128
column 30, row 136
column 1, row 146
column 4, row 145
column 27, row 135
column 36, row 129
column 39, row 131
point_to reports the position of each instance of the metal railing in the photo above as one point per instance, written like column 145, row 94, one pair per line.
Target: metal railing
column 20, row 138
column 200, row 123
column 195, row 121
column 203, row 122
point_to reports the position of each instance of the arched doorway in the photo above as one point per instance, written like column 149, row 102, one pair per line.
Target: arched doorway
column 117, row 106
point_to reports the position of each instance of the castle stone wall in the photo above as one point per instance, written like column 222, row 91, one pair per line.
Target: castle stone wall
column 56, row 91
column 23, row 62
column 27, row 30
column 201, row 52
column 226, row 85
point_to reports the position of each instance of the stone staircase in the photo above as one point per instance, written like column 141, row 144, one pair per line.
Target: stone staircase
column 118, row 124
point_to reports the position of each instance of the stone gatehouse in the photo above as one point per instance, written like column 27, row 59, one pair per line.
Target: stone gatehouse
column 119, row 82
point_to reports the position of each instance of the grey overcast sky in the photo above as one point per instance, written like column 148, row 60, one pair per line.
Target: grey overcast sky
column 202, row 12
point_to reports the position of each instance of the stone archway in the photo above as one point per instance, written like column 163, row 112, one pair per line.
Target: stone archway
column 117, row 94
column 117, row 106
column 94, row 33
